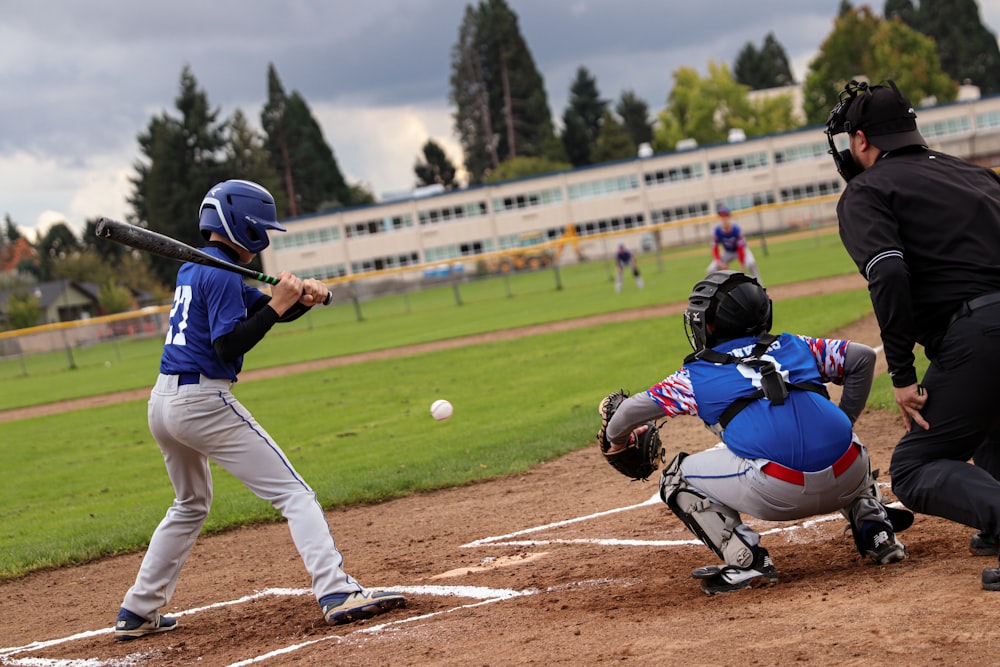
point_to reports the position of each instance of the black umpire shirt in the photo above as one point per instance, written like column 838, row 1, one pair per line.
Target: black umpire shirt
column 924, row 229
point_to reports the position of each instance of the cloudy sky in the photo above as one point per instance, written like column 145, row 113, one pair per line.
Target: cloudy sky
column 81, row 80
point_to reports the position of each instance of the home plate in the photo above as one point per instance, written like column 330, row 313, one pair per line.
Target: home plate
column 491, row 563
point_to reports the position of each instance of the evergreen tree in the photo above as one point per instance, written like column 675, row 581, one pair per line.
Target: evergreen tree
column 55, row 246
column 582, row 118
column 613, row 141
column 902, row 10
column 502, row 110
column 11, row 232
column 469, row 95
column 248, row 159
column 435, row 168
column 276, row 133
column 108, row 252
column 300, row 155
column 634, row 113
column 967, row 49
column 766, row 68
column 183, row 160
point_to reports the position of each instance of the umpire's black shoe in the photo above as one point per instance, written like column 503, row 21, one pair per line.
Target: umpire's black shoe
column 982, row 544
column 991, row 579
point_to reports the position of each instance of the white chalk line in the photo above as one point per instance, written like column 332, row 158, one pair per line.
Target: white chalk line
column 505, row 540
column 485, row 595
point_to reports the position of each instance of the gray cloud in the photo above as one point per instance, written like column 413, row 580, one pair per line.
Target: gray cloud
column 81, row 80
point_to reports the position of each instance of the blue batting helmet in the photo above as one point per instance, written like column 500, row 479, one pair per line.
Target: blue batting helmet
column 241, row 211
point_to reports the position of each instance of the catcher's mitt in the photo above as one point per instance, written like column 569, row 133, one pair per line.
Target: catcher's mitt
column 644, row 452
column 609, row 404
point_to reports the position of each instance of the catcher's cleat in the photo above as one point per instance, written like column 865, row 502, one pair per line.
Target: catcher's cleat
column 723, row 579
column 879, row 543
column 348, row 607
column 982, row 544
column 133, row 626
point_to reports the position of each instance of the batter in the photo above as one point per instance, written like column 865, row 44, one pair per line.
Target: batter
column 194, row 417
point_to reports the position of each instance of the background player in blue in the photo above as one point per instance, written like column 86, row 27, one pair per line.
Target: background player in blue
column 788, row 451
column 729, row 245
column 624, row 259
column 195, row 418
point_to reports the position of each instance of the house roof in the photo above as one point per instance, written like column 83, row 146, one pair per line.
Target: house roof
column 48, row 292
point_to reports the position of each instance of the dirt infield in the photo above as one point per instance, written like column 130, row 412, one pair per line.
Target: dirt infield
column 569, row 563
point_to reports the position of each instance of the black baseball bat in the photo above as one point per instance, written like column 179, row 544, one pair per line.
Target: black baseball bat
column 164, row 246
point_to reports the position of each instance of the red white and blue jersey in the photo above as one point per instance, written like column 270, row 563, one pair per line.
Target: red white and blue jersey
column 730, row 241
column 808, row 432
column 208, row 304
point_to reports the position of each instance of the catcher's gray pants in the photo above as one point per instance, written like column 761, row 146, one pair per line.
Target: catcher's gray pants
column 195, row 423
column 741, row 485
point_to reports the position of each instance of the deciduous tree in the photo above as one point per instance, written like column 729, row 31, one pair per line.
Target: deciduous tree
column 864, row 45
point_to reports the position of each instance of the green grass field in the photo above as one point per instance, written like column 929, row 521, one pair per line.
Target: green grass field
column 84, row 484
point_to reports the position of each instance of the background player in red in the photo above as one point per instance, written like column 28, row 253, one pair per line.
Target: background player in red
column 195, row 418
column 728, row 244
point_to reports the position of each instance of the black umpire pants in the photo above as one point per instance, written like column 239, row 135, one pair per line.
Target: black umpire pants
column 930, row 468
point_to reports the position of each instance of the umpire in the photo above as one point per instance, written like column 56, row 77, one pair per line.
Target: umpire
column 924, row 230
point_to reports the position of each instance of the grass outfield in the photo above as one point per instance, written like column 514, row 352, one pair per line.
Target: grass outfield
column 416, row 317
column 82, row 485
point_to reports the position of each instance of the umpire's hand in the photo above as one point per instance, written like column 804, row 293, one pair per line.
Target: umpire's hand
column 911, row 401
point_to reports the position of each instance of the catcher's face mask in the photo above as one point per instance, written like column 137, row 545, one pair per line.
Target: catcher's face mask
column 838, row 123
column 701, row 309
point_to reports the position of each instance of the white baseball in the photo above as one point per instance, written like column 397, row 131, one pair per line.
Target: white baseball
column 441, row 410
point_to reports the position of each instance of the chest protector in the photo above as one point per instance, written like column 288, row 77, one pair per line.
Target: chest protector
column 773, row 386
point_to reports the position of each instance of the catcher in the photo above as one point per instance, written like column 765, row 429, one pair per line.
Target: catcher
column 787, row 451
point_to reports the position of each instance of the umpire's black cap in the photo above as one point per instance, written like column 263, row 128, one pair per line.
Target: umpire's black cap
column 886, row 117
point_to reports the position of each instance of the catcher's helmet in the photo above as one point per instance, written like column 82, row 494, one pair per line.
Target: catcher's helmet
column 241, row 211
column 726, row 305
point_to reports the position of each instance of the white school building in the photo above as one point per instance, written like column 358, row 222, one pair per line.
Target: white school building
column 771, row 183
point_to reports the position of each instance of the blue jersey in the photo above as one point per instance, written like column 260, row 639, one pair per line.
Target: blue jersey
column 624, row 256
column 730, row 241
column 808, row 432
column 208, row 304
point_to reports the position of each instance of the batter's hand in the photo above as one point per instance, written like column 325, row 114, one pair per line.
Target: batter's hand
column 911, row 401
column 313, row 292
column 286, row 293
